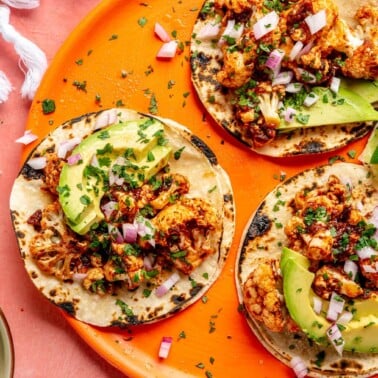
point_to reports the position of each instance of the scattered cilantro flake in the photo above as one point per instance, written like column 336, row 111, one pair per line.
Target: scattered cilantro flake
column 113, row 37
column 200, row 365
column 208, row 374
column 80, row 85
column 177, row 154
column 48, row 106
column 142, row 21
column 351, row 154
column 153, row 107
column 79, row 62
column 182, row 335
column 171, row 83
column 119, row 103
column 204, row 299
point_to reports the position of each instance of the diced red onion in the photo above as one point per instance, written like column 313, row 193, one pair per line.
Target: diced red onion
column 306, row 76
column 310, row 99
column 106, row 118
column 336, row 338
column 27, row 138
column 335, row 84
column 94, row 161
column 209, row 31
column 317, row 21
column 368, row 268
column 115, row 234
column 167, row 285
column 374, row 217
column 167, row 50
column 74, row 159
column 366, row 253
column 79, row 277
column 317, row 305
column 336, row 306
column 306, row 49
column 148, row 262
column 161, row 32
column 351, row 269
column 299, row 367
column 130, row 232
column 293, row 87
column 296, row 49
column 345, row 318
column 232, row 30
column 265, row 24
column 37, row 162
column 109, row 207
column 165, row 346
column 283, row 78
column 66, row 146
column 145, row 228
column 274, row 60
column 289, row 114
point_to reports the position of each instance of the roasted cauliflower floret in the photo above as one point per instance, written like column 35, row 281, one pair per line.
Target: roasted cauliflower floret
column 238, row 63
column 52, row 171
column 330, row 279
column 54, row 248
column 172, row 187
column 262, row 297
column 269, row 98
column 363, row 64
column 369, row 269
column 94, row 281
column 187, row 232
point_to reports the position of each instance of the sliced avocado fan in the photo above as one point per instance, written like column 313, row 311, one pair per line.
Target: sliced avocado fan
column 352, row 103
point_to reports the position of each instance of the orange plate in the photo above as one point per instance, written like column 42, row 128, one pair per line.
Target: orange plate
column 110, row 59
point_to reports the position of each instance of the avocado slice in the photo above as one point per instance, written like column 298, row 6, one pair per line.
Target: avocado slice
column 370, row 153
column 288, row 253
column 299, row 296
column 331, row 109
column 367, row 89
column 360, row 334
column 82, row 185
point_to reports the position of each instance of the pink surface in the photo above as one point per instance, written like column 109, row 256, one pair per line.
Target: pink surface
column 45, row 345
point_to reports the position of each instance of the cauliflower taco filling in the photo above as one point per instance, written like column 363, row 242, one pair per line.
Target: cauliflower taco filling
column 278, row 59
column 145, row 230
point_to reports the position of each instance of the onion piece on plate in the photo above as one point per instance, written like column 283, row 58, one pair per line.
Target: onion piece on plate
column 27, row 138
column 167, row 50
column 165, row 346
column 161, row 33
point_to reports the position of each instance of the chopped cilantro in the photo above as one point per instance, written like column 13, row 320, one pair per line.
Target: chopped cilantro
column 48, row 106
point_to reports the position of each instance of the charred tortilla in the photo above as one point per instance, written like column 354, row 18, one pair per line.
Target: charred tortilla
column 231, row 79
column 179, row 240
column 275, row 225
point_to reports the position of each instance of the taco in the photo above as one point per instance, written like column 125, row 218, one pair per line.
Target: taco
column 288, row 78
column 122, row 218
column 307, row 271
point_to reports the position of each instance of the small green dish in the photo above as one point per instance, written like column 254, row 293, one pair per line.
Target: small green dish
column 6, row 349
